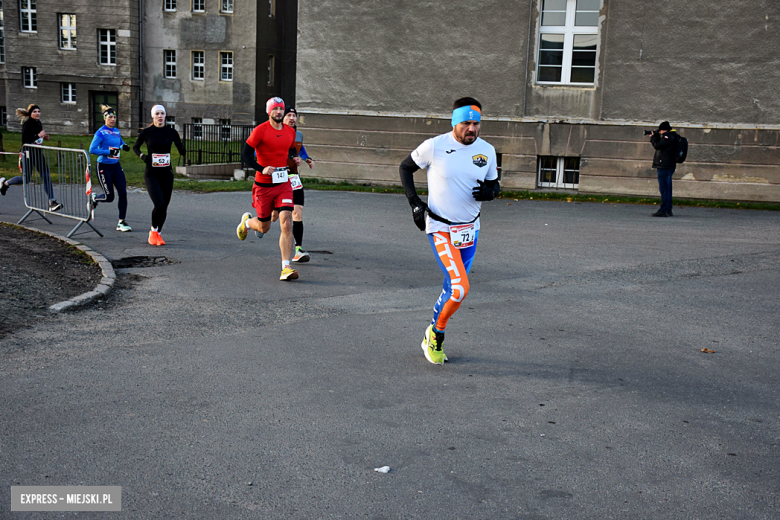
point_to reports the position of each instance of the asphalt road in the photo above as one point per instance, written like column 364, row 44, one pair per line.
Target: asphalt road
column 576, row 387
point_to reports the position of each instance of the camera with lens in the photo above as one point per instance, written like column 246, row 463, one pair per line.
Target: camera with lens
column 650, row 132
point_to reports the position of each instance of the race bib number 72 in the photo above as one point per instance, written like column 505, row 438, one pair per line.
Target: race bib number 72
column 463, row 235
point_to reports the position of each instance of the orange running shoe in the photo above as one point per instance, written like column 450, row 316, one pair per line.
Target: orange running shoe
column 155, row 239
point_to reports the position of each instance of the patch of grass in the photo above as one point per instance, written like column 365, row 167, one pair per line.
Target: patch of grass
column 134, row 172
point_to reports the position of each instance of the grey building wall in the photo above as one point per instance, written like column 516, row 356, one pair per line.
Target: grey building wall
column 211, row 32
column 79, row 66
column 375, row 79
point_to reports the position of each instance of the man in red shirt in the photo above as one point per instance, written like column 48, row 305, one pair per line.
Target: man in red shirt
column 273, row 142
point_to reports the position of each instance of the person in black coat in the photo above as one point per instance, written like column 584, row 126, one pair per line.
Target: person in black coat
column 664, row 141
column 33, row 133
column 158, row 175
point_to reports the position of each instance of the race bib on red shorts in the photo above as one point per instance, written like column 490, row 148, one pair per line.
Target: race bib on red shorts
column 265, row 200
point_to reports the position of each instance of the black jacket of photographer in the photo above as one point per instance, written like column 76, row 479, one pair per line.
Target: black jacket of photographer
column 665, row 147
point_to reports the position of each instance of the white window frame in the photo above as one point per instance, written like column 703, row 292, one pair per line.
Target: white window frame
column 198, row 6
column 68, row 93
column 28, row 12
column 224, row 129
column 170, row 121
column 198, row 65
column 569, row 31
column 169, row 6
column 70, row 43
column 169, row 60
column 560, row 173
column 30, row 77
column 271, row 69
column 109, row 44
column 227, row 6
column 225, row 69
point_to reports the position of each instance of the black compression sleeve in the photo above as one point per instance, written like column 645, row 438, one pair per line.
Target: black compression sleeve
column 248, row 158
column 139, row 142
column 407, row 169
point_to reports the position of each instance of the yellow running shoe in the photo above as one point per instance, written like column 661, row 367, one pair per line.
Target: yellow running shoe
column 241, row 230
column 431, row 345
column 289, row 273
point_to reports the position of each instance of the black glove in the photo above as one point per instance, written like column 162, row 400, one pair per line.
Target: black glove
column 126, row 147
column 482, row 193
column 418, row 211
column 146, row 158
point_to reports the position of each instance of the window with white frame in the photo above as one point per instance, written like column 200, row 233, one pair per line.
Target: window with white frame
column 227, row 6
column 170, row 121
column 170, row 63
column 198, row 65
column 107, row 46
column 568, row 42
column 559, row 172
column 224, row 129
column 197, row 128
column 67, row 31
column 226, row 66
column 30, row 77
column 28, row 15
column 271, row 66
column 2, row 34
column 169, row 5
column 198, row 6
column 68, row 92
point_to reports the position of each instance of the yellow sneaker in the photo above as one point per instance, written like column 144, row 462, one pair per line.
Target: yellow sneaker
column 241, row 230
column 431, row 345
column 289, row 273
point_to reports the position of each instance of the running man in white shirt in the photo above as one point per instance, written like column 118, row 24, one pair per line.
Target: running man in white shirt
column 461, row 174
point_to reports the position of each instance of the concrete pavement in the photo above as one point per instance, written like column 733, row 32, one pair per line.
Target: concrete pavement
column 576, row 389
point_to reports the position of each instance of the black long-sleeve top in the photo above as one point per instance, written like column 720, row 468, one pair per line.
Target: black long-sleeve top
column 158, row 140
column 30, row 130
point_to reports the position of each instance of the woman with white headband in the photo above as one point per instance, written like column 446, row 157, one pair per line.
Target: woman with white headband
column 158, row 175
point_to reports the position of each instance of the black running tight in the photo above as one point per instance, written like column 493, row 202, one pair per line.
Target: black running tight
column 159, row 185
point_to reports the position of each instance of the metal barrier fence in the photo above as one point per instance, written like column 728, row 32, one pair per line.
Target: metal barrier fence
column 57, row 174
column 214, row 144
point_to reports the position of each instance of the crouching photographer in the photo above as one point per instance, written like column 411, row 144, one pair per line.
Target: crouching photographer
column 664, row 141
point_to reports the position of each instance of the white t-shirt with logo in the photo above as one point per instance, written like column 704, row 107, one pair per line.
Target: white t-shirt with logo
column 453, row 171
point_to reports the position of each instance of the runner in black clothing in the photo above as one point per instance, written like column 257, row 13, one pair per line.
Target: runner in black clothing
column 158, row 175
column 33, row 133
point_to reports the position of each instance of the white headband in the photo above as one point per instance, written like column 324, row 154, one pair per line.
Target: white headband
column 157, row 108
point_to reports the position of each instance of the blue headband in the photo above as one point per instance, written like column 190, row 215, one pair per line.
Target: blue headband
column 467, row 113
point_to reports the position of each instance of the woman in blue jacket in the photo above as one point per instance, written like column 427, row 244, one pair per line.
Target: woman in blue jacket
column 106, row 145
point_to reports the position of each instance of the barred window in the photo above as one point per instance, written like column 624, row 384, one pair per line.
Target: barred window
column 559, row 172
column 197, row 128
column 271, row 67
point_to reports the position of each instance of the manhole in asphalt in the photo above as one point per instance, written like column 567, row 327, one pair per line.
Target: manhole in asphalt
column 142, row 261
column 321, row 252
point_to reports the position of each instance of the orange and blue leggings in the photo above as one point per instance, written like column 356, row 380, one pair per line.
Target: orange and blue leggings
column 455, row 264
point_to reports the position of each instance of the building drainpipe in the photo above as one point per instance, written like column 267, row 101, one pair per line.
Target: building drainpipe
column 140, row 63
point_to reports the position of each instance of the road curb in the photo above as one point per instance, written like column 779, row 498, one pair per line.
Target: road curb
column 102, row 289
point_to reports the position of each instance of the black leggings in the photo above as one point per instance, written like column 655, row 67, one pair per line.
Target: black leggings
column 159, row 185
